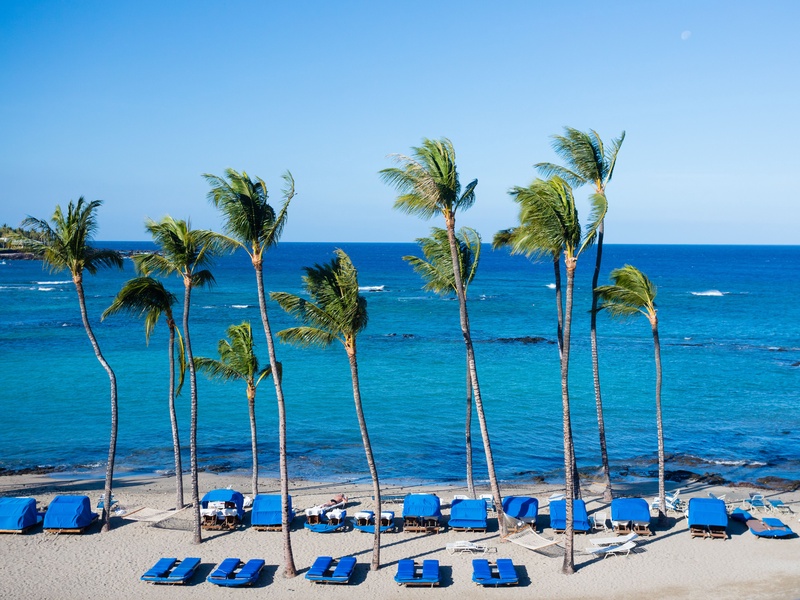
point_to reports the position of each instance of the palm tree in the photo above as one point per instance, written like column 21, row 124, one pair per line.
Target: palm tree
column 147, row 297
column 428, row 184
column 632, row 293
column 255, row 227
column 336, row 312
column 186, row 252
column 587, row 162
column 66, row 245
column 437, row 270
column 238, row 361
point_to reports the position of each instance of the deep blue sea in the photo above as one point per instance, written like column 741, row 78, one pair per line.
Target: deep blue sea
column 729, row 324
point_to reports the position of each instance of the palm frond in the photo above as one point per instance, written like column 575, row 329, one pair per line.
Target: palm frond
column 216, row 369
column 143, row 297
column 631, row 292
column 599, row 204
column 305, row 337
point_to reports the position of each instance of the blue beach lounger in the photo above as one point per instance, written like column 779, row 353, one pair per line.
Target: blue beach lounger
column 266, row 514
column 171, row 570
column 410, row 573
column 232, row 572
column 630, row 515
column 558, row 516
column 764, row 528
column 334, row 520
column 18, row 515
column 521, row 511
column 468, row 515
column 707, row 518
column 500, row 573
column 421, row 513
column 69, row 514
column 326, row 570
column 222, row 509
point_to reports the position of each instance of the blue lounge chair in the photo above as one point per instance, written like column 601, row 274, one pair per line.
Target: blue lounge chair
column 763, row 528
column 69, row 514
column 18, row 515
column 520, row 511
column 331, row 521
column 267, row 514
column 757, row 502
column 500, row 573
column 171, row 570
column 630, row 515
column 707, row 518
column 410, row 573
column 232, row 572
column 558, row 516
column 421, row 513
column 222, row 509
column 326, row 570
column 365, row 521
column 468, row 515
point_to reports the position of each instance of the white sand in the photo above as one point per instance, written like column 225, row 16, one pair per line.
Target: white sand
column 668, row 565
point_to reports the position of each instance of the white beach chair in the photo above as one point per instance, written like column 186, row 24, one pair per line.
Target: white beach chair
column 489, row 500
column 614, row 541
column 464, row 546
column 599, row 521
column 605, row 551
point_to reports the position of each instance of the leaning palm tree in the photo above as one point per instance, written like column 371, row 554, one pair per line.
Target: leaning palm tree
column 336, row 312
column 147, row 297
column 428, row 184
column 632, row 293
column 186, row 252
column 254, row 226
column 66, row 245
column 437, row 271
column 238, row 362
column 587, row 162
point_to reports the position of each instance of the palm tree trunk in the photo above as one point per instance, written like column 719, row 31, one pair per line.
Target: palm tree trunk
column 468, row 435
column 661, row 491
column 601, row 427
column 569, row 449
column 251, row 407
column 187, row 296
column 559, row 305
column 112, row 446
column 173, row 418
column 473, row 372
column 288, row 557
column 350, row 346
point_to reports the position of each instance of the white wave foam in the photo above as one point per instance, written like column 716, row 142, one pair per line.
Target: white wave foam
column 371, row 288
column 708, row 293
column 240, row 306
column 53, row 282
column 551, row 286
column 46, row 289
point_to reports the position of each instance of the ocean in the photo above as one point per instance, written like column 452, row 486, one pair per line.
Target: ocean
column 728, row 322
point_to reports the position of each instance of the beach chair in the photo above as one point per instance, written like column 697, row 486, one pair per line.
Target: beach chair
column 267, row 513
column 520, row 511
column 365, row 521
column 327, row 570
column 468, row 547
column 19, row 515
column 331, row 521
column 221, row 509
column 605, row 551
column 558, row 516
column 599, row 520
column 489, row 500
column 766, row 527
column 757, row 502
column 501, row 572
column 468, row 515
column 232, row 572
column 614, row 541
column 630, row 515
column 777, row 505
column 707, row 517
column 69, row 514
column 421, row 513
column 410, row 573
column 171, row 571
column 102, row 501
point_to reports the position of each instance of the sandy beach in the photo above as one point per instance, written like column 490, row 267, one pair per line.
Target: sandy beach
column 669, row 564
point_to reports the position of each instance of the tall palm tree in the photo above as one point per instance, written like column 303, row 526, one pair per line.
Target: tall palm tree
column 437, row 270
column 238, row 361
column 632, row 293
column 587, row 162
column 336, row 312
column 147, row 297
column 66, row 245
column 428, row 184
column 185, row 252
column 254, row 226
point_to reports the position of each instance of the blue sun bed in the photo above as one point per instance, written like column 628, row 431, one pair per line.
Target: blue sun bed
column 222, row 509
column 69, row 514
column 18, row 515
column 500, row 573
column 232, row 572
column 630, row 515
column 468, row 515
column 521, row 510
column 558, row 516
column 410, row 573
column 365, row 521
column 708, row 518
column 266, row 514
column 421, row 512
column 763, row 528
column 334, row 521
column 326, row 570
column 171, row 570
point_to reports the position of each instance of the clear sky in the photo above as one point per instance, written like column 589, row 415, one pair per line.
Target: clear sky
column 130, row 102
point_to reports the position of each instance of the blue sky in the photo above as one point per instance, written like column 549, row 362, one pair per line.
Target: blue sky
column 130, row 102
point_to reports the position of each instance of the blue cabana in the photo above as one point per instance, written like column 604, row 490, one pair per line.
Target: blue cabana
column 422, row 505
column 69, row 513
column 521, row 508
column 558, row 515
column 707, row 517
column 18, row 514
column 630, row 514
column 266, row 513
column 225, row 495
column 468, row 514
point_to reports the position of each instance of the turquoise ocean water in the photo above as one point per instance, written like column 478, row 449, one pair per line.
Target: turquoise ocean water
column 729, row 325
